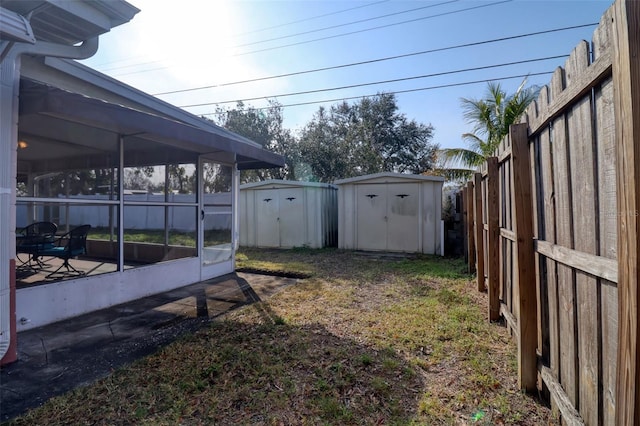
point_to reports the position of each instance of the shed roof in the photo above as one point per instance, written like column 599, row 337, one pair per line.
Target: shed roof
column 394, row 176
column 272, row 183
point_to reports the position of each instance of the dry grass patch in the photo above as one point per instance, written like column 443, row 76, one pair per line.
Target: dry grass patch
column 364, row 340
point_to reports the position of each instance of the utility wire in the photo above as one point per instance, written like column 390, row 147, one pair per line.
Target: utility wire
column 331, row 37
column 309, row 19
column 378, row 82
column 346, row 24
column 375, row 28
column 442, row 86
column 388, row 58
column 251, row 32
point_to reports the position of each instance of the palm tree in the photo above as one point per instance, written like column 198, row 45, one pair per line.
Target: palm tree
column 491, row 117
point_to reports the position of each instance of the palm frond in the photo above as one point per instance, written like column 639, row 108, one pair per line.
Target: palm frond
column 455, row 175
column 455, row 156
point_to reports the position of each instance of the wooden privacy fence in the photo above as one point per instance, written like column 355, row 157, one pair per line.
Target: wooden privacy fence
column 552, row 226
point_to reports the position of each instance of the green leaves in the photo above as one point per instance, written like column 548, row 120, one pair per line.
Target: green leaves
column 491, row 118
column 366, row 137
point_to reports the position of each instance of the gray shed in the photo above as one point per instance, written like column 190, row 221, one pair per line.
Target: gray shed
column 391, row 212
column 280, row 213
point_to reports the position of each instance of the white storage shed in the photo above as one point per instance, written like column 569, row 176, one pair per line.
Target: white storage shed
column 391, row 212
column 286, row 214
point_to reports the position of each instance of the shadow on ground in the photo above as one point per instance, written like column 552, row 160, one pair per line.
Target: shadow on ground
column 57, row 358
column 249, row 372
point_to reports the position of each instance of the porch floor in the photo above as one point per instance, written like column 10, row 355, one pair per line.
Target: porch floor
column 59, row 357
column 26, row 276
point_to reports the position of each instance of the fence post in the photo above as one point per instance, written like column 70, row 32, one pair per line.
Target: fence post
column 525, row 271
column 626, row 80
column 493, row 235
column 479, row 228
column 465, row 237
column 470, row 220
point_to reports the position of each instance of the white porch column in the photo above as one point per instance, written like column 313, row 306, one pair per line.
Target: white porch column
column 9, row 89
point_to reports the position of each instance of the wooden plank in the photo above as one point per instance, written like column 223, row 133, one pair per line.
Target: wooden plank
column 501, row 241
column 512, row 265
column 525, row 272
column 626, row 78
column 463, row 209
column 470, row 229
column 493, row 236
column 583, row 180
column 547, row 231
column 512, row 322
column 509, row 235
column 597, row 266
column 505, row 155
column 538, row 225
column 597, row 72
column 479, row 237
column 564, row 237
column 605, row 135
column 570, row 415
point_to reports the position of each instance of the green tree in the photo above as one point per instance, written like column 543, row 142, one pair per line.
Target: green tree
column 266, row 128
column 491, row 117
column 369, row 136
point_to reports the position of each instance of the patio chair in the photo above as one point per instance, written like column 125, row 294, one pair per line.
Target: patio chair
column 33, row 239
column 67, row 246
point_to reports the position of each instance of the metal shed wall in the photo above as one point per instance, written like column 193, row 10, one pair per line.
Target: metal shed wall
column 286, row 214
column 391, row 212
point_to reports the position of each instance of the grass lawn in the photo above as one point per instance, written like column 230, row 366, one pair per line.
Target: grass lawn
column 363, row 340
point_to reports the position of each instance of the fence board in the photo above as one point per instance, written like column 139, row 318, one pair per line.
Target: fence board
column 546, row 205
column 594, row 265
column 538, row 226
column 479, row 230
column 564, row 237
column 626, row 77
column 470, row 228
column 570, row 415
column 493, row 236
column 525, row 272
column 584, row 206
column 584, row 159
column 605, row 134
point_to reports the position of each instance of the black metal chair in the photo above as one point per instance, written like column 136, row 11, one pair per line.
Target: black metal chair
column 33, row 239
column 67, row 246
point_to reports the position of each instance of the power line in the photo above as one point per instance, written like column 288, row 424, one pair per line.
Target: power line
column 442, row 86
column 309, row 19
column 379, row 82
column 251, row 32
column 346, row 24
column 388, row 58
column 337, row 35
column 376, row 28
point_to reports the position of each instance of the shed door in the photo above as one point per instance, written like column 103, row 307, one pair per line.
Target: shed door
column 403, row 227
column 371, row 216
column 267, row 229
column 292, row 224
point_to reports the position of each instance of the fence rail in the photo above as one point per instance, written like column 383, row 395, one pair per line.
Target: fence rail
column 552, row 229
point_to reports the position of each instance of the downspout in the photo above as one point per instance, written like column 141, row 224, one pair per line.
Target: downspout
column 9, row 93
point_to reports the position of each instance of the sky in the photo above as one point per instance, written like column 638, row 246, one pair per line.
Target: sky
column 212, row 53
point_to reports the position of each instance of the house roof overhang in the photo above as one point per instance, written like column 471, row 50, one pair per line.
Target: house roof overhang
column 71, row 130
column 67, row 22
